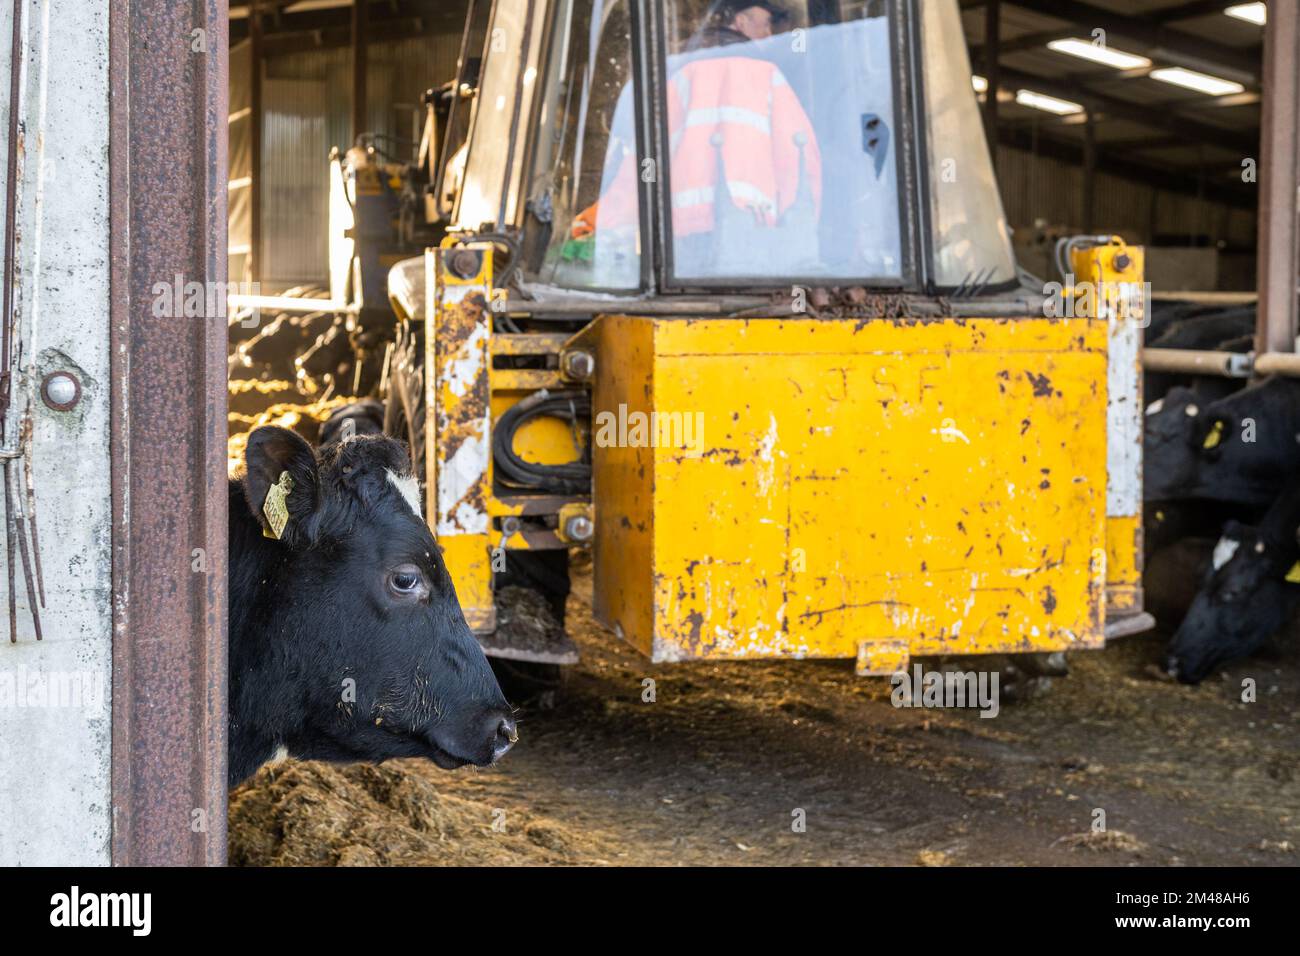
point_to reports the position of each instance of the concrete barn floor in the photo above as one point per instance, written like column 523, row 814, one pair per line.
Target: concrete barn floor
column 712, row 771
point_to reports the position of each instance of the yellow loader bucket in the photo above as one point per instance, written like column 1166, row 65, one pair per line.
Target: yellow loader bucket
column 871, row 489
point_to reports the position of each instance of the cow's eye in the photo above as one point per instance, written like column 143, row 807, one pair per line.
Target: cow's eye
column 407, row 581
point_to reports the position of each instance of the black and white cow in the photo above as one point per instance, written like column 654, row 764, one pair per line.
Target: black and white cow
column 347, row 642
column 1249, row 592
column 1241, row 448
column 1171, row 470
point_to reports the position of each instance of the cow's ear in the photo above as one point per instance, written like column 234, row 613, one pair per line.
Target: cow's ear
column 281, row 468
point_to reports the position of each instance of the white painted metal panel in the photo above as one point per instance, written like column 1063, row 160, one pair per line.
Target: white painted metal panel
column 1124, row 407
column 55, row 748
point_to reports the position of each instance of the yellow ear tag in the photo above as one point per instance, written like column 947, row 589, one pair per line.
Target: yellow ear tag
column 276, row 509
column 1216, row 433
column 1294, row 574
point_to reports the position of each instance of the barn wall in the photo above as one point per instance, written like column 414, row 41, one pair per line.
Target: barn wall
column 55, row 753
column 1041, row 188
column 307, row 105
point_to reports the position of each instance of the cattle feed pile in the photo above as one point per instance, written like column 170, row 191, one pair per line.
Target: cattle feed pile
column 1221, row 490
column 318, row 814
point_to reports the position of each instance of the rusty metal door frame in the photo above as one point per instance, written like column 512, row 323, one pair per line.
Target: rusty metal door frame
column 167, row 171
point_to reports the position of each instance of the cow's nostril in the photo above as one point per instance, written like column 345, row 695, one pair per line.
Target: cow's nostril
column 508, row 730
column 507, row 735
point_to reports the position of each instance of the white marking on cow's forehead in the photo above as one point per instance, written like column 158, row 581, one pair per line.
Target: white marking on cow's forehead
column 1223, row 551
column 410, row 489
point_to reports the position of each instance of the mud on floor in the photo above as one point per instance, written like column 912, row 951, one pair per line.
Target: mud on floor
column 728, row 757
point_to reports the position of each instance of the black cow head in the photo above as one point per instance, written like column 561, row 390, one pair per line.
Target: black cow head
column 347, row 641
column 1245, row 598
column 1169, row 456
column 1242, row 448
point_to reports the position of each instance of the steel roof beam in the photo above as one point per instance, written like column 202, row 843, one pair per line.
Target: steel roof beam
column 1154, row 116
column 1157, row 39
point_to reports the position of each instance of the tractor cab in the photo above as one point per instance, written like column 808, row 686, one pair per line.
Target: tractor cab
column 722, row 146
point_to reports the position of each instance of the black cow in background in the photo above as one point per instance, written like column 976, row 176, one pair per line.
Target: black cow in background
column 366, row 416
column 1227, row 330
column 1172, row 508
column 1221, row 473
column 1165, row 315
column 1242, row 448
column 1251, row 589
column 347, row 642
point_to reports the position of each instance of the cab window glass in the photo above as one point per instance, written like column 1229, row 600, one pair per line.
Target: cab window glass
column 972, row 243
column 493, row 116
column 582, row 203
column 780, row 134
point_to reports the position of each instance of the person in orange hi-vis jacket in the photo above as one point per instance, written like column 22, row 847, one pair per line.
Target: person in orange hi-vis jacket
column 741, row 145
